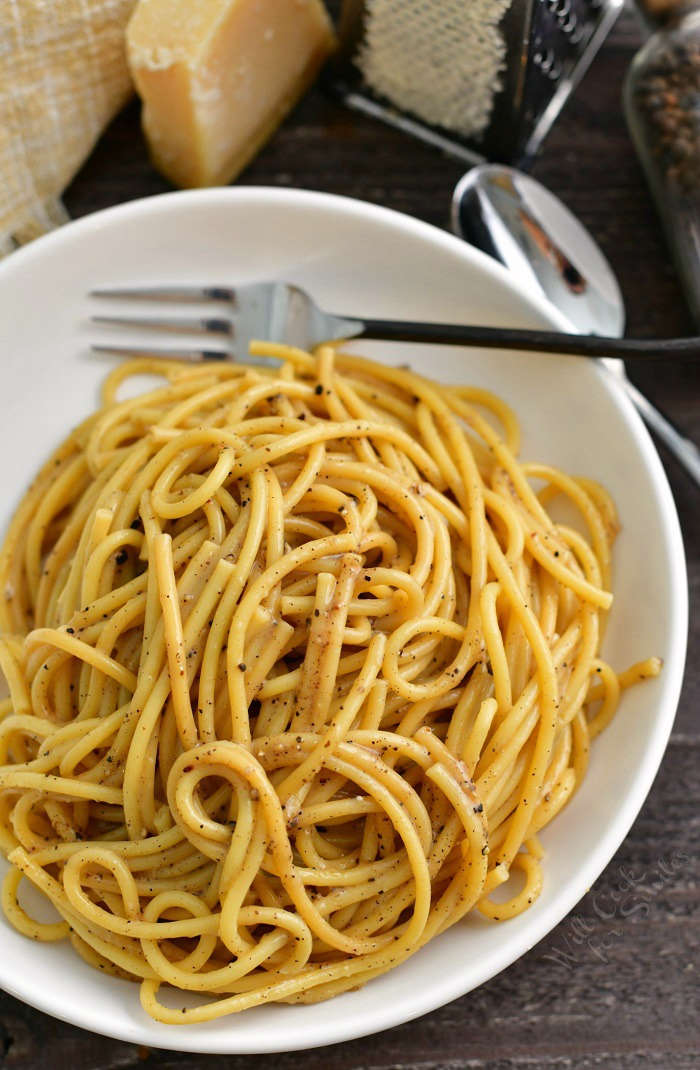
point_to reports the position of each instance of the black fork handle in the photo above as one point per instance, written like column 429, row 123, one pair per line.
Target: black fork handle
column 578, row 345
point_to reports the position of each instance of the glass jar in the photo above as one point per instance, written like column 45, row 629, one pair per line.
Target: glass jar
column 662, row 106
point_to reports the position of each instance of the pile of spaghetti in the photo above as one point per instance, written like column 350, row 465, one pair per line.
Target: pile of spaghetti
column 299, row 665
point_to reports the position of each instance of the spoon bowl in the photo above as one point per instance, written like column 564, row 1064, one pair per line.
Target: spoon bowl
column 514, row 219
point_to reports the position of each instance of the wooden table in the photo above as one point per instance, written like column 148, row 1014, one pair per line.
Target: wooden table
column 614, row 986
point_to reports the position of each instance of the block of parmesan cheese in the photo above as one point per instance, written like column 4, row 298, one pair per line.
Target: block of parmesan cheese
column 218, row 76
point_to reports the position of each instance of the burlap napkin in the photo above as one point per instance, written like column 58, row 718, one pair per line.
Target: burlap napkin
column 63, row 75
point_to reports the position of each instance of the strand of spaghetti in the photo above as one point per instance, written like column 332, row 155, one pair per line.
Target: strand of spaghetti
column 11, row 668
column 293, row 789
column 35, row 930
column 174, row 639
column 56, row 785
column 321, row 669
column 495, row 647
column 549, row 697
column 349, row 429
column 332, row 544
column 78, row 649
column 56, row 495
column 139, row 766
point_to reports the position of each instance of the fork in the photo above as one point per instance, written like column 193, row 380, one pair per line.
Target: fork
column 282, row 312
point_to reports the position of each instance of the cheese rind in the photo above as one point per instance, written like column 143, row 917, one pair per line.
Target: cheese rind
column 218, row 76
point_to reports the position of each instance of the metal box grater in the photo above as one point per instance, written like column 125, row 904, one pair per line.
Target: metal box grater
column 531, row 52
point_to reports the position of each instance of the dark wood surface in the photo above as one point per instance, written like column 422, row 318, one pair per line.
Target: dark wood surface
column 617, row 984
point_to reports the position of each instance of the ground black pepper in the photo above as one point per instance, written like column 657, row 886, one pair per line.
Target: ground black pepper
column 662, row 106
column 667, row 95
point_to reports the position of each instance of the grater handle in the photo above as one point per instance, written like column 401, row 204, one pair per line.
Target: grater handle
column 577, row 345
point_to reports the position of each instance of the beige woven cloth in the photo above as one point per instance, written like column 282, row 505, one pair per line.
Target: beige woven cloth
column 63, row 75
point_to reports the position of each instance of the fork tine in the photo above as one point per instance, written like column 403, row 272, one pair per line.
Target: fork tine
column 169, row 293
column 202, row 325
column 194, row 356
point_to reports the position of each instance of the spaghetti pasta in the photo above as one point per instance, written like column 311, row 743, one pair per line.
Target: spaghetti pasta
column 299, row 665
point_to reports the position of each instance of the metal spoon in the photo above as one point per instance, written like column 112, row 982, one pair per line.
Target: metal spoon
column 514, row 219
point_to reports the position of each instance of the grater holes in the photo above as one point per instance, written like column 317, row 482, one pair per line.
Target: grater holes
column 440, row 60
column 548, row 64
column 570, row 25
column 578, row 33
column 563, row 11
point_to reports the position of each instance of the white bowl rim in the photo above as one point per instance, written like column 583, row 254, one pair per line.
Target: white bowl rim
column 448, row 987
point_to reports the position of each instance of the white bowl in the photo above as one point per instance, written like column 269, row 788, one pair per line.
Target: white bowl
column 358, row 259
